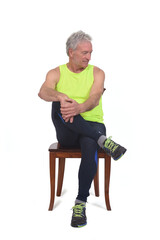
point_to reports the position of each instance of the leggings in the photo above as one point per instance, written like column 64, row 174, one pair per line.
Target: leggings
column 83, row 134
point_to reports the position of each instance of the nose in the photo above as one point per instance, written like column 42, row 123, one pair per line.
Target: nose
column 88, row 56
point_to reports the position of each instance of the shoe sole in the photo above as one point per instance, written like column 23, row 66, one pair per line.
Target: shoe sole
column 79, row 226
column 116, row 159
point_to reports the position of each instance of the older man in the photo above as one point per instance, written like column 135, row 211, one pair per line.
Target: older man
column 75, row 90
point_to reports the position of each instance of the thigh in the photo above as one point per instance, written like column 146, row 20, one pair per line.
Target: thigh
column 100, row 127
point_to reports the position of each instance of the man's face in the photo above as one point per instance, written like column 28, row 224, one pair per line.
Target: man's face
column 82, row 54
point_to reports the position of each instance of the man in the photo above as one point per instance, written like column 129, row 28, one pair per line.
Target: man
column 75, row 90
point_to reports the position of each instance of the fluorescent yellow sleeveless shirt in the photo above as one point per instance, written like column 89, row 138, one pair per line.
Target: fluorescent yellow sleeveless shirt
column 77, row 86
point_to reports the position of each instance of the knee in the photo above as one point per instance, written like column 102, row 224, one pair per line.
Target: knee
column 89, row 144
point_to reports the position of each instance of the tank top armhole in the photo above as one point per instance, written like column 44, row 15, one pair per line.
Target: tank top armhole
column 60, row 72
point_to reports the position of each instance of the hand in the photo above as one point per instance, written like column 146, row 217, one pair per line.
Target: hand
column 69, row 109
column 65, row 102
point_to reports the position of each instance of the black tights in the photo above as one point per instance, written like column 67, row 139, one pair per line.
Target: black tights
column 83, row 134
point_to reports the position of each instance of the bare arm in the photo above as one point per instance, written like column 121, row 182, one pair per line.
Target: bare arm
column 47, row 91
column 74, row 108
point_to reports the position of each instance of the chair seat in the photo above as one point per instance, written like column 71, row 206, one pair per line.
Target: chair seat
column 56, row 148
column 56, row 151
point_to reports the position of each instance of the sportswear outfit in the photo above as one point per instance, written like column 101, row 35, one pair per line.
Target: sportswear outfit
column 87, row 132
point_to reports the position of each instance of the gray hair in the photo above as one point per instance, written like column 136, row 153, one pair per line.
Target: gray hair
column 76, row 38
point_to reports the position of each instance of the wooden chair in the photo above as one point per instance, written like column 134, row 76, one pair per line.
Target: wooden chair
column 62, row 153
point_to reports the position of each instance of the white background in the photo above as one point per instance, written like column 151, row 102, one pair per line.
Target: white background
column 126, row 37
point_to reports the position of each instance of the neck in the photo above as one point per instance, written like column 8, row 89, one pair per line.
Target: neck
column 74, row 68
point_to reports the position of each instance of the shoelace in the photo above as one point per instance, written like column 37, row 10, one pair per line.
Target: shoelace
column 112, row 146
column 78, row 209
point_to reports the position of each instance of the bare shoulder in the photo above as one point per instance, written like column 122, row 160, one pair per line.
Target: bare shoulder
column 53, row 75
column 52, row 78
column 98, row 84
column 98, row 72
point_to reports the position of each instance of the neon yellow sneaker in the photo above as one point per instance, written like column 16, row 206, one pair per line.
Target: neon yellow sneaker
column 113, row 149
column 79, row 217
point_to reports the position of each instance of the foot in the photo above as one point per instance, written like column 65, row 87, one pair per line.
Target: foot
column 113, row 149
column 79, row 217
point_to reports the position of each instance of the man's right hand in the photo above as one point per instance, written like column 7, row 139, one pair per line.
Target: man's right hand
column 65, row 101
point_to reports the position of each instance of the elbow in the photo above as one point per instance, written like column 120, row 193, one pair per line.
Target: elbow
column 97, row 103
column 94, row 104
column 40, row 94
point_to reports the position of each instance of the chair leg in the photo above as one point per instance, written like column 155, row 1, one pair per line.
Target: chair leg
column 52, row 180
column 107, row 180
column 60, row 175
column 96, row 181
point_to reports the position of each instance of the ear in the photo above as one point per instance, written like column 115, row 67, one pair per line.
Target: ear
column 70, row 51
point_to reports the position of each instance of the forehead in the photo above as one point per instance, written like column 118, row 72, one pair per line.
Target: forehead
column 86, row 45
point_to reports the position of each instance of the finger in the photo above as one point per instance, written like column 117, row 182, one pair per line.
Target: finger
column 66, row 109
column 68, row 112
column 68, row 115
column 71, row 119
column 67, row 119
column 64, row 116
